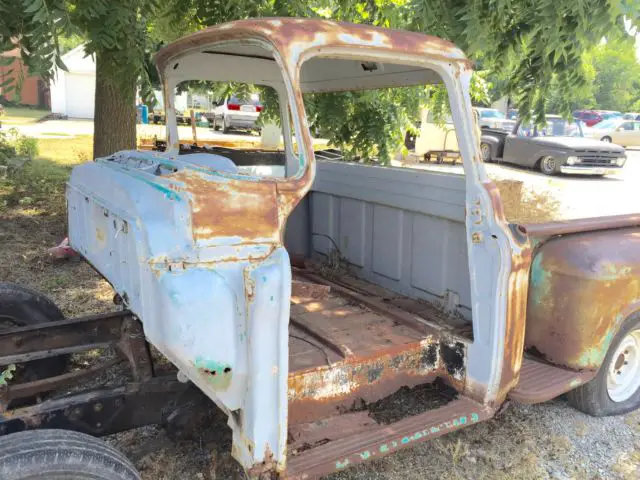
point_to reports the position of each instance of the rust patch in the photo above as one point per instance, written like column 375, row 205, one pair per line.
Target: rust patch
column 516, row 295
column 309, row 290
column 583, row 287
column 226, row 207
column 339, row 387
column 540, row 381
column 294, row 36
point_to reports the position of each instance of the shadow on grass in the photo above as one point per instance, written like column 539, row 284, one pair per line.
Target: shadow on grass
column 39, row 183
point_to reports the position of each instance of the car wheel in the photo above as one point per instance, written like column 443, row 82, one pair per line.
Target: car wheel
column 606, row 139
column 225, row 125
column 548, row 165
column 485, row 150
column 616, row 388
column 61, row 455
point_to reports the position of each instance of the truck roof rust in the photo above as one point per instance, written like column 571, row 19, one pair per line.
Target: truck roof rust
column 292, row 37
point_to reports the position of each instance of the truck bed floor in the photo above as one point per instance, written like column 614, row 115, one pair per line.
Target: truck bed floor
column 357, row 318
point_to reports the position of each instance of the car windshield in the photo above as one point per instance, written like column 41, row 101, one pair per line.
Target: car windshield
column 555, row 127
column 245, row 100
column 491, row 114
column 607, row 124
column 609, row 115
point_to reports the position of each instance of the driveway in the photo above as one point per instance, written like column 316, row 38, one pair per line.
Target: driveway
column 579, row 196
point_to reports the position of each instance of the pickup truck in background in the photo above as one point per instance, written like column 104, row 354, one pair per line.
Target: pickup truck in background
column 494, row 118
column 557, row 147
column 303, row 307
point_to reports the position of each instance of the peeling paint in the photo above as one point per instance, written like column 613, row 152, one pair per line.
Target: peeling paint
column 218, row 374
column 419, row 435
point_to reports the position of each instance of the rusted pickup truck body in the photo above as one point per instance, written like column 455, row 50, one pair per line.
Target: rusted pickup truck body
column 439, row 290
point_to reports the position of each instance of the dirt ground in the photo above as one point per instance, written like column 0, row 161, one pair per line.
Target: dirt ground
column 548, row 441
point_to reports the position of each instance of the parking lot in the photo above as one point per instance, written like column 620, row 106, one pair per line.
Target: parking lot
column 578, row 196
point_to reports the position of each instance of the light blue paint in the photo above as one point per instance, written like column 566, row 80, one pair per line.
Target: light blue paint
column 540, row 280
column 595, row 355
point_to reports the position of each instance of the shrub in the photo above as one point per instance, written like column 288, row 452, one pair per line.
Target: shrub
column 13, row 144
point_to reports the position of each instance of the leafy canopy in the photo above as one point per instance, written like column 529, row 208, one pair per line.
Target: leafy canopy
column 537, row 46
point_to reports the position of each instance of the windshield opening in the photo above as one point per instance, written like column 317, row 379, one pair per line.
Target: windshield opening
column 554, row 127
column 491, row 114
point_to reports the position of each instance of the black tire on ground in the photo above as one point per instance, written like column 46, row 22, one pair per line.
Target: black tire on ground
column 548, row 165
column 606, row 138
column 593, row 397
column 61, row 455
column 22, row 307
column 486, row 152
column 225, row 126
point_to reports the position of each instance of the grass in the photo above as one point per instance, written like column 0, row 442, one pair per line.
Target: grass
column 33, row 219
column 22, row 115
column 40, row 183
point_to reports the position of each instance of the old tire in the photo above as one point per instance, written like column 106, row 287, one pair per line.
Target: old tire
column 22, row 307
column 225, row 125
column 616, row 388
column 606, row 139
column 485, row 151
column 61, row 455
column 548, row 165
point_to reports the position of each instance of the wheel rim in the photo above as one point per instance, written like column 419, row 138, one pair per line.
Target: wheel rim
column 549, row 164
column 606, row 139
column 623, row 374
column 486, row 152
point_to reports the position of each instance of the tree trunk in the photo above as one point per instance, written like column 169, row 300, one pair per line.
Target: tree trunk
column 115, row 109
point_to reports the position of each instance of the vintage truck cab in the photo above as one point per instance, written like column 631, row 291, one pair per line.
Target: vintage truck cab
column 400, row 277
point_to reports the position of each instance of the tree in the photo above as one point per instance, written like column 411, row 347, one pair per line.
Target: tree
column 616, row 85
column 116, row 34
column 539, row 45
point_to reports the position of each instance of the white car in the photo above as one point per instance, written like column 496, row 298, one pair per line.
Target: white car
column 237, row 112
column 494, row 118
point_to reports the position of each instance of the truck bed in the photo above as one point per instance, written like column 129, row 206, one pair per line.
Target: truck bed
column 351, row 341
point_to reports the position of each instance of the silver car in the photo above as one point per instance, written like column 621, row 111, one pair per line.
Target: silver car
column 239, row 112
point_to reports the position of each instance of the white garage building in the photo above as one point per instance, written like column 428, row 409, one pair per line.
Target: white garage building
column 73, row 92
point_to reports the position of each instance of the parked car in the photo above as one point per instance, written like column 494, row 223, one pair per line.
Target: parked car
column 557, row 147
column 588, row 117
column 620, row 131
column 512, row 114
column 434, row 293
column 494, row 118
column 610, row 114
column 237, row 111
